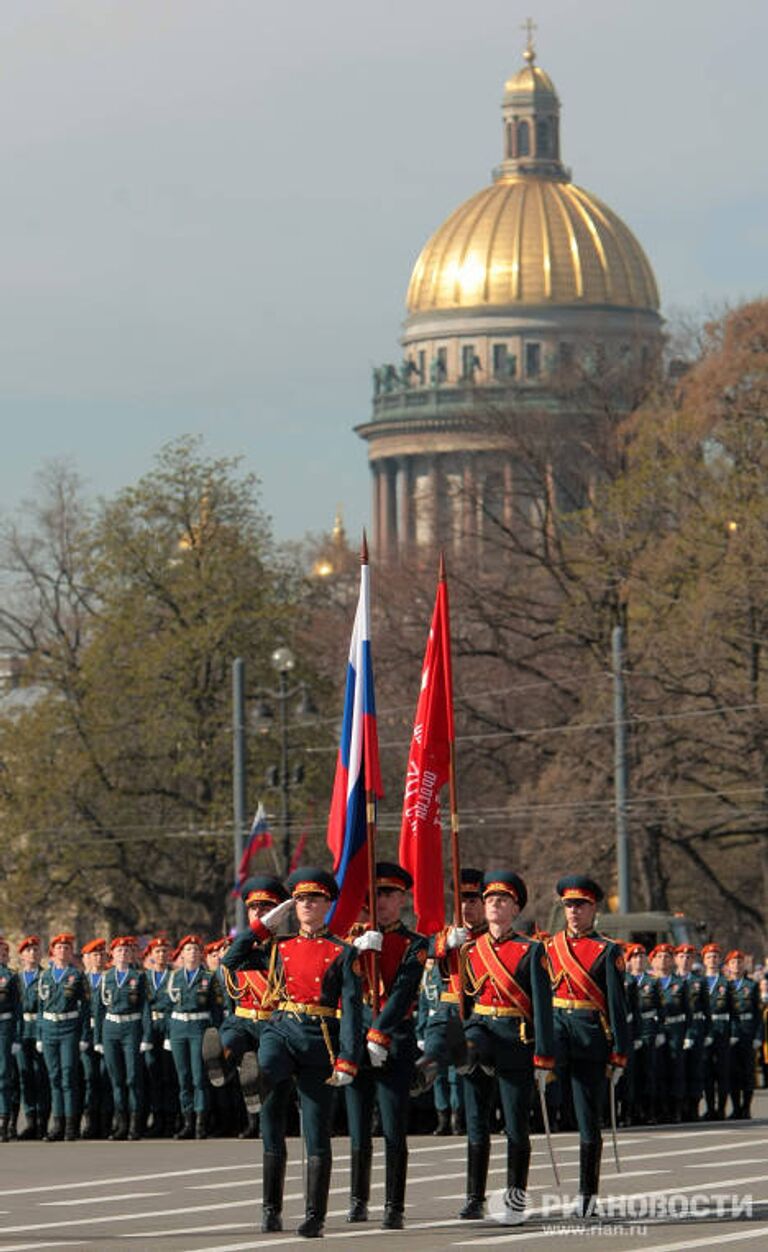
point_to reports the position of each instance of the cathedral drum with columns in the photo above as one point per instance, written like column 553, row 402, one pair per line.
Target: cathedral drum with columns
column 527, row 280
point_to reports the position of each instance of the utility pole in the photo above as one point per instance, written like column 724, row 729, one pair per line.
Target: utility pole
column 238, row 774
column 621, row 786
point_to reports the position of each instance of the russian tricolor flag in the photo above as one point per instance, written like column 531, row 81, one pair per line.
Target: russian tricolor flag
column 358, row 777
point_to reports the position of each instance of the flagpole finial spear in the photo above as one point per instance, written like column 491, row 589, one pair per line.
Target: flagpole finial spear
column 364, row 549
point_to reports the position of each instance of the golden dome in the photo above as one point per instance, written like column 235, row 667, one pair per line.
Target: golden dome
column 530, row 78
column 532, row 240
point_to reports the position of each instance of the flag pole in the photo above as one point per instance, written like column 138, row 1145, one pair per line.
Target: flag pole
column 370, row 833
column 452, row 792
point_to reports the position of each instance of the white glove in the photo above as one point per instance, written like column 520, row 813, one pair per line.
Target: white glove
column 757, row 1044
column 637, row 1044
column 39, row 1045
column 687, row 1044
column 420, row 1044
column 99, row 1047
column 167, row 1045
column 144, row 1046
column 377, row 1053
column 273, row 918
column 83, row 1046
column 540, row 1077
column 369, row 941
column 457, row 936
column 733, row 1040
column 340, row 1078
column 615, row 1074
column 15, row 1049
column 708, row 1041
column 660, row 1039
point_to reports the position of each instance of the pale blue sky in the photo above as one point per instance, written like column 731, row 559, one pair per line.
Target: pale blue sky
column 210, row 208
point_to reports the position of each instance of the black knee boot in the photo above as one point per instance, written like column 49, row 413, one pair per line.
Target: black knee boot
column 55, row 1131
column 396, row 1173
column 251, row 1131
column 30, row 1128
column 201, row 1128
column 134, row 1127
column 359, row 1184
column 318, row 1182
column 71, row 1127
column 120, row 1126
column 589, row 1177
column 518, row 1163
column 187, row 1129
column 4, row 1135
column 478, row 1156
column 273, row 1168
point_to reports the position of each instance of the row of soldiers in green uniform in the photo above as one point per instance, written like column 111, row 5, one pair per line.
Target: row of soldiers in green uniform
column 112, row 1040
column 513, row 1012
column 694, row 1034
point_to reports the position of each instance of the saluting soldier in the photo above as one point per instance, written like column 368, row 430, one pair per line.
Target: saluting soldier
column 10, row 1016
column 97, row 1092
column 746, row 1034
column 384, row 1078
column 717, row 1045
column 122, row 1032
column 590, row 1020
column 64, row 1031
column 510, row 1034
column 161, row 1071
column 236, row 1042
column 33, row 1080
column 698, row 1030
column 315, row 1035
column 197, row 1000
column 676, row 1021
column 443, row 1040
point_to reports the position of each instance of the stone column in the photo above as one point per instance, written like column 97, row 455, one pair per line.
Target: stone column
column 376, row 519
column 390, row 510
column 405, row 503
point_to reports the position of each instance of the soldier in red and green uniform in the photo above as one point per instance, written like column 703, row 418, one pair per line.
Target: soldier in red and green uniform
column 236, row 1043
column 509, row 1034
column 675, row 1023
column 162, row 1083
column 315, row 1036
column 590, row 1019
column 33, row 1079
column 698, row 1031
column 746, row 1034
column 385, row 1077
column 717, row 1045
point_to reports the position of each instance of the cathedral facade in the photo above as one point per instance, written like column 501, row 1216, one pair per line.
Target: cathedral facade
column 528, row 283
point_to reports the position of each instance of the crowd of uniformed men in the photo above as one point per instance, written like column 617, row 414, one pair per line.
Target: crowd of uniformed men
column 503, row 1029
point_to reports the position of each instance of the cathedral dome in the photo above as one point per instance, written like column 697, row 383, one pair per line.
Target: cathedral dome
column 532, row 238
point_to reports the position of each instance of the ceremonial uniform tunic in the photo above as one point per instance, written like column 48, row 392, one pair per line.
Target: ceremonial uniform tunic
column 10, row 1013
column 122, row 1022
column 511, row 1028
column 628, row 1091
column 401, row 964
column 590, row 1020
column 33, row 1080
column 161, row 1071
column 197, row 1001
column 647, row 1067
column 746, row 1027
column 243, row 970
column 717, row 1058
column 63, row 1020
column 316, row 1025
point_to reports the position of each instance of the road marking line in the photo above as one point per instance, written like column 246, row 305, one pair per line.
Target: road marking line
column 104, row 1199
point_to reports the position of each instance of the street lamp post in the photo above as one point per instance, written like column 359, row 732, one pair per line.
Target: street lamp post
column 283, row 661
